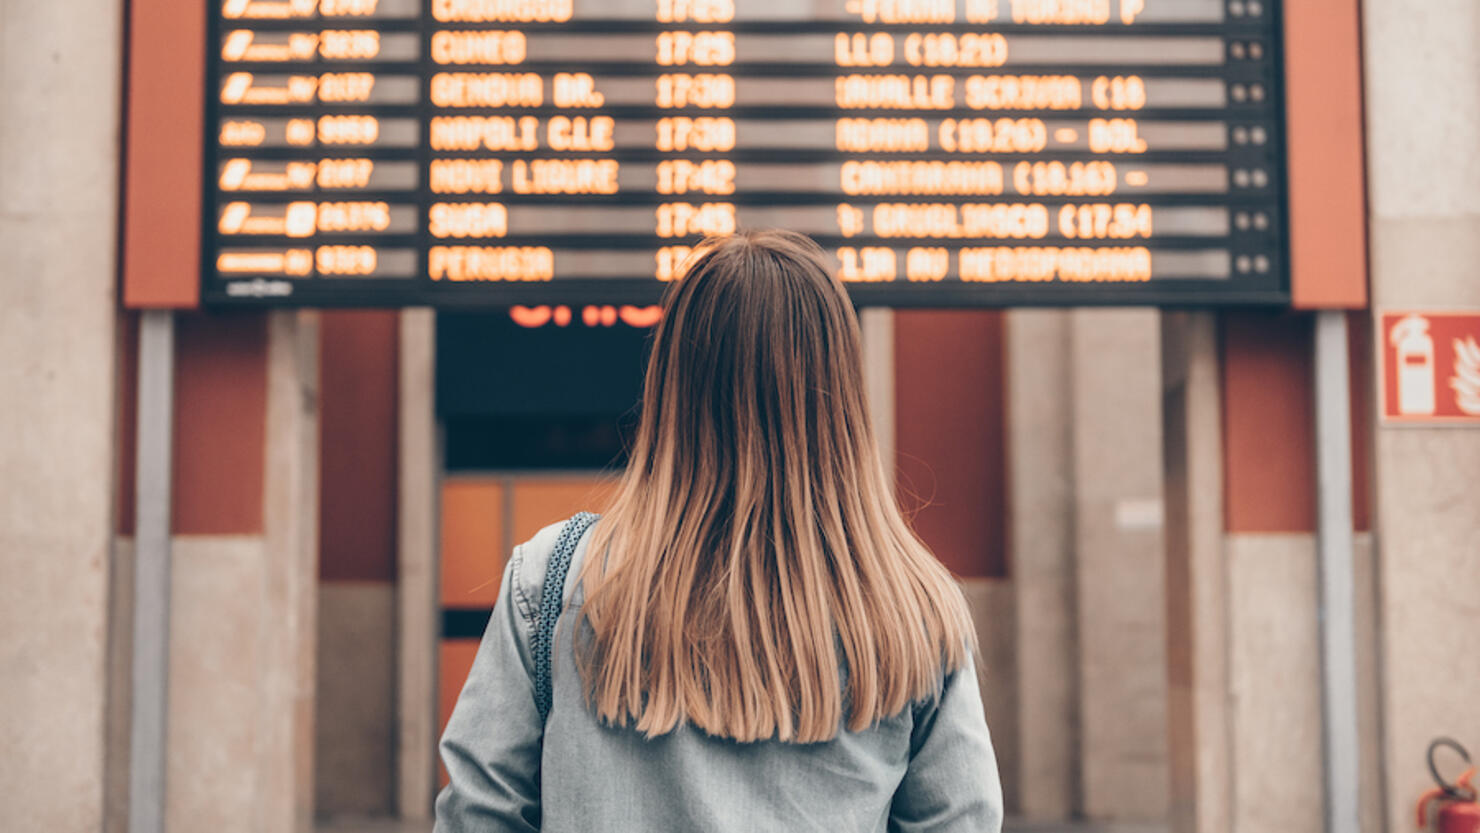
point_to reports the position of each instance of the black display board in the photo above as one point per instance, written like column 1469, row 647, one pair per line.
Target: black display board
column 945, row 152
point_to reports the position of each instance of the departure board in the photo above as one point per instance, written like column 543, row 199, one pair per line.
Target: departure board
column 943, row 152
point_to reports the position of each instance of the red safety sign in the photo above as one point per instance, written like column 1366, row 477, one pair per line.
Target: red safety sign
column 1431, row 367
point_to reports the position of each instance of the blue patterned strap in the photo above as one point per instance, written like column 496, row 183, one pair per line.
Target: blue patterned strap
column 552, row 601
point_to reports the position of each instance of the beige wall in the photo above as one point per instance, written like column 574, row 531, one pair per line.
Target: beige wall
column 58, row 196
column 355, row 719
column 1275, row 682
column 1275, row 676
column 1423, row 114
column 217, row 664
column 226, row 698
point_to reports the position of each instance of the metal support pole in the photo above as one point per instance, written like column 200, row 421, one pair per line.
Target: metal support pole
column 1334, row 541
column 151, row 655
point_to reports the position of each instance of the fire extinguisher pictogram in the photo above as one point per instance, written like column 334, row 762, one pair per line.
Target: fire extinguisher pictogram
column 1413, row 348
column 1449, row 808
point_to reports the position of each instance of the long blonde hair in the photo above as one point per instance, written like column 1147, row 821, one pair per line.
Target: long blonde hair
column 753, row 537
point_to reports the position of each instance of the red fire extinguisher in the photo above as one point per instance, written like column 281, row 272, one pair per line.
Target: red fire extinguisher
column 1450, row 808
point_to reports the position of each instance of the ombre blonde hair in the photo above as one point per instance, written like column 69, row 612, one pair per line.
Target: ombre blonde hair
column 753, row 576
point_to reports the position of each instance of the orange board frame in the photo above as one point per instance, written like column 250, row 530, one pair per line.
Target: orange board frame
column 163, row 124
column 1325, row 154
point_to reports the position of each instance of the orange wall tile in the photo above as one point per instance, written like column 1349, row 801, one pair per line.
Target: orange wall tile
column 473, row 546
column 539, row 502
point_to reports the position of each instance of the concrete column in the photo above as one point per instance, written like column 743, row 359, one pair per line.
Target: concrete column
column 289, row 628
column 1197, row 578
column 1423, row 112
column 1041, row 512
column 59, row 82
column 1120, row 587
column 416, row 567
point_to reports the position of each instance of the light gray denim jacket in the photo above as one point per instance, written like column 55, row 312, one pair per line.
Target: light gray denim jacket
column 929, row 768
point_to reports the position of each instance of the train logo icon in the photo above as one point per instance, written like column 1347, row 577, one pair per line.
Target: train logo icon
column 1431, row 367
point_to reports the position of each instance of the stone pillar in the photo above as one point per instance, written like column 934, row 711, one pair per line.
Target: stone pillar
column 1198, row 712
column 419, row 469
column 58, row 215
column 1041, row 510
column 290, row 571
column 1120, row 586
column 1423, row 112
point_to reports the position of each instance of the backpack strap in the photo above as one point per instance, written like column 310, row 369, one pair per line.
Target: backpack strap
column 552, row 602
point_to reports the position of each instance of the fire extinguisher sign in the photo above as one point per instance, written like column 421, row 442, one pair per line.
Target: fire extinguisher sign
column 1431, row 367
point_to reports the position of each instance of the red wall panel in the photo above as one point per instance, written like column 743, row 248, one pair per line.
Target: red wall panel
column 1269, row 422
column 359, row 357
column 220, row 430
column 950, row 434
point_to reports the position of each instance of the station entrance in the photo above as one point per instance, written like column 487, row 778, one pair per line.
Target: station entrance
column 534, row 409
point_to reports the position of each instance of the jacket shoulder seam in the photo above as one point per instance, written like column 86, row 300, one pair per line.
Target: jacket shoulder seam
column 521, row 596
